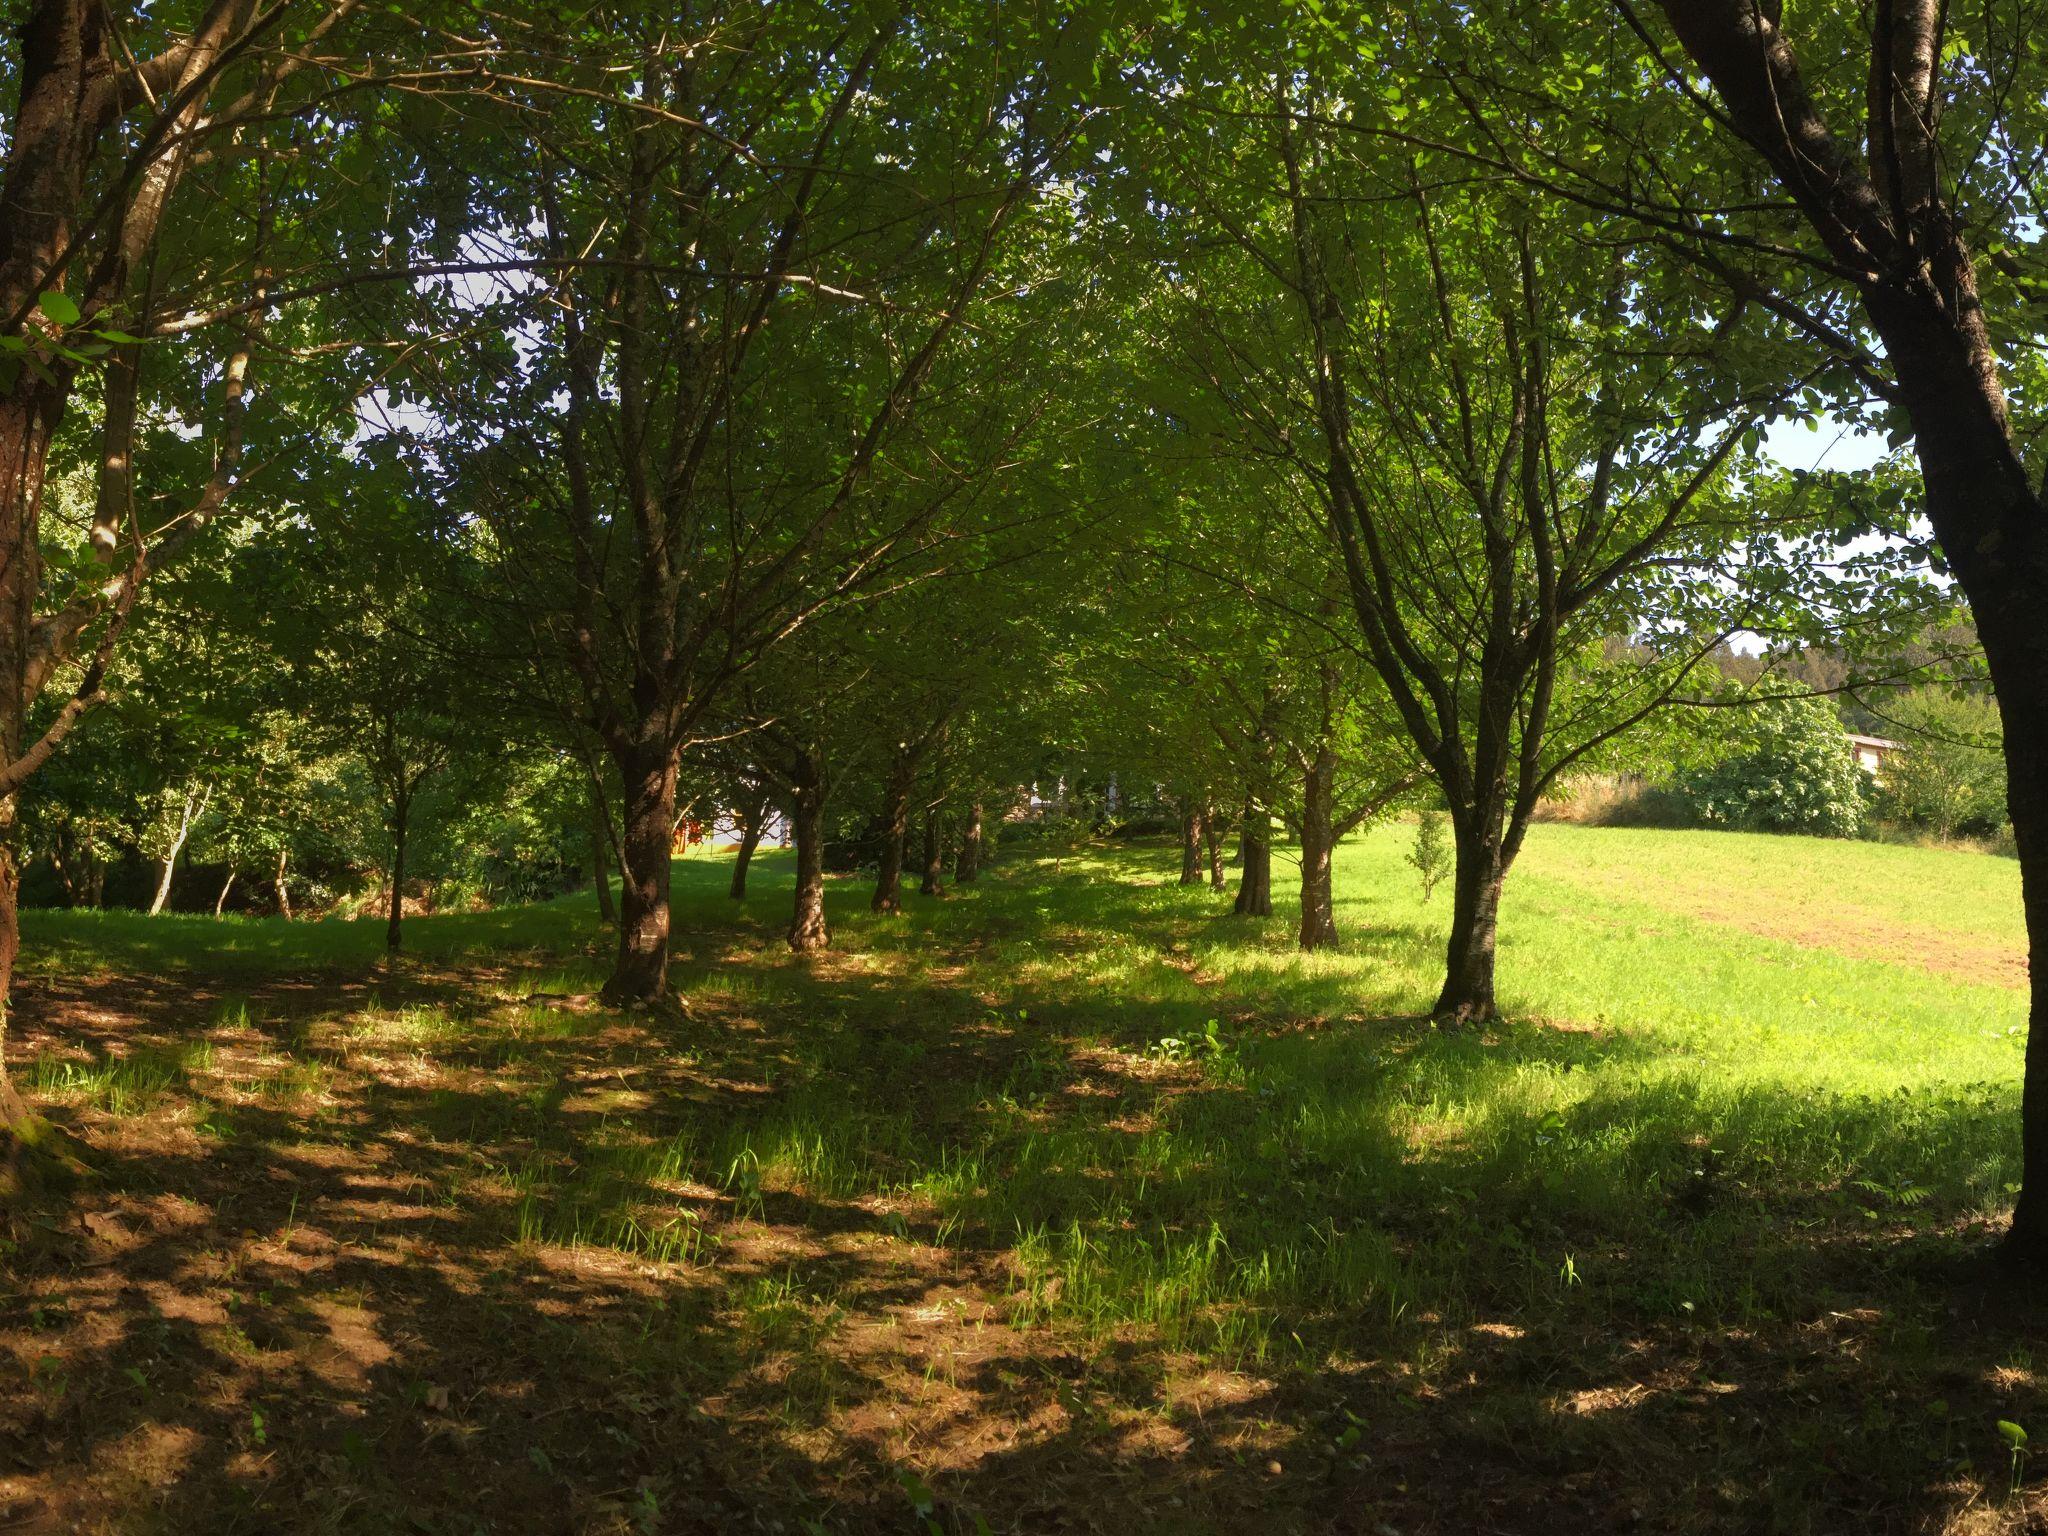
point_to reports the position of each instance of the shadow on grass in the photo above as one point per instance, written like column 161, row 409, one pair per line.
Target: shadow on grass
column 980, row 1207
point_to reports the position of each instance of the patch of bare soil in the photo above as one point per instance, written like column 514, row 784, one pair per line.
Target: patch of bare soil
column 1839, row 927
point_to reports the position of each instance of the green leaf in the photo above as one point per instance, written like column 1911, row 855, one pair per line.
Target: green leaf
column 922, row 1500
column 59, row 308
column 2015, row 1436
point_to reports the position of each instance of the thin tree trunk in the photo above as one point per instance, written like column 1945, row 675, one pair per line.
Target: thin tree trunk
column 933, row 868
column 220, row 904
column 394, row 934
column 284, row 894
column 1190, row 844
column 601, row 862
column 28, row 416
column 807, row 931
column 14, row 1113
column 163, row 884
column 1318, row 845
column 753, row 817
column 640, row 973
column 895, row 823
column 967, row 864
column 188, row 817
column 1212, row 835
column 1255, row 858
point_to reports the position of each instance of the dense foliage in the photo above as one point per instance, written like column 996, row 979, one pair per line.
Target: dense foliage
column 1788, row 768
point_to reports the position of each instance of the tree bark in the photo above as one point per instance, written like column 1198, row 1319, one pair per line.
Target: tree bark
column 1467, row 996
column 284, row 895
column 933, row 867
column 1212, row 835
column 807, row 931
column 1318, row 846
column 753, row 817
column 967, row 864
column 639, row 976
column 220, row 904
column 1255, row 859
column 1190, row 844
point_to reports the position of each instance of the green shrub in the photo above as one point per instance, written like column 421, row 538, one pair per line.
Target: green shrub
column 1949, row 778
column 1788, row 769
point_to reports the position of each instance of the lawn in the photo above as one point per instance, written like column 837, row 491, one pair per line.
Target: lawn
column 1068, row 1202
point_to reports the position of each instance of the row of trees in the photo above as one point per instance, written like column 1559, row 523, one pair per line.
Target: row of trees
column 1304, row 413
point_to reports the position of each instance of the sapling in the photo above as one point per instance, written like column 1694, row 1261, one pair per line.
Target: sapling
column 2016, row 1442
column 1431, row 854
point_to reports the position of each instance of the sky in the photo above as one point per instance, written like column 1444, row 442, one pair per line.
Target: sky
column 1834, row 446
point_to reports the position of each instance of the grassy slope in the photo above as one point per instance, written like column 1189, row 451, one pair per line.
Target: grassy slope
column 1731, row 1171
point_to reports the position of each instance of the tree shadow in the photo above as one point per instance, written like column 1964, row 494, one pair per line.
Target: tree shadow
column 980, row 1215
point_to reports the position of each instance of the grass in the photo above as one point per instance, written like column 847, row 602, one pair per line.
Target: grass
column 1069, row 1197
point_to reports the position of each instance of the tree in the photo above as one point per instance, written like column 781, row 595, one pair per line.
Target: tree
column 118, row 113
column 1520, row 435
column 1889, row 215
column 731, row 327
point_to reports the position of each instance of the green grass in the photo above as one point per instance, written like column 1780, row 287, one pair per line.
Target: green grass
column 1753, row 1108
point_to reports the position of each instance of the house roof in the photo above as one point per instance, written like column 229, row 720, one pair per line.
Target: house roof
column 1882, row 743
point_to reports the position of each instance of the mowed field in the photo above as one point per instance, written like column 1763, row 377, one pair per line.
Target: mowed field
column 1067, row 1202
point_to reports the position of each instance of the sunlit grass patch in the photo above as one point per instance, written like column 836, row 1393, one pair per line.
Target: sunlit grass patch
column 125, row 1084
column 632, row 1195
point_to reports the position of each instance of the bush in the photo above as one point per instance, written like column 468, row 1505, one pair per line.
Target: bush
column 1789, row 769
column 1949, row 779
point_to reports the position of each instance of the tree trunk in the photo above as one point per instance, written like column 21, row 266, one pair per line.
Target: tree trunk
column 1190, row 845
column 220, row 904
column 807, row 932
column 284, row 895
column 640, row 973
column 601, row 862
column 1994, row 533
column 394, row 921
column 1255, row 857
column 967, row 864
column 188, row 817
column 2026, row 753
column 1467, row 995
column 1212, row 835
column 163, row 884
column 753, row 817
column 14, row 1114
column 933, row 868
column 1887, row 220
column 1318, row 845
column 895, row 824
column 27, row 418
